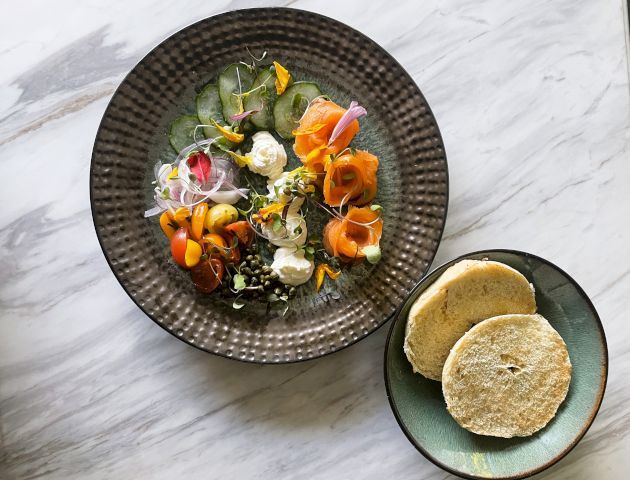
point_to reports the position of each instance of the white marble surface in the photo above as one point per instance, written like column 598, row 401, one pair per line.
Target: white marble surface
column 532, row 99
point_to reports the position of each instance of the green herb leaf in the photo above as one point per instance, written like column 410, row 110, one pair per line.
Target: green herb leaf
column 244, row 213
column 238, row 304
column 239, row 282
column 376, row 208
column 372, row 253
column 348, row 176
column 277, row 222
column 234, row 243
column 309, row 253
column 165, row 194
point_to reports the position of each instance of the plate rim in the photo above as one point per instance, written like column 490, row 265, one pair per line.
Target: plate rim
column 587, row 424
column 231, row 12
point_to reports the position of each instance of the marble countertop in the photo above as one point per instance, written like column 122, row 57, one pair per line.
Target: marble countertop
column 533, row 103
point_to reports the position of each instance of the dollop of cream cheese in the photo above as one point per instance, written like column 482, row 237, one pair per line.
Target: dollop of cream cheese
column 292, row 267
column 268, row 157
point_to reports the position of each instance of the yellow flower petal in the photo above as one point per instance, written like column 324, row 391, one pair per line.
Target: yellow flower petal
column 282, row 78
column 315, row 128
column 229, row 134
column 172, row 174
column 322, row 270
column 313, row 154
column 241, row 160
column 270, row 209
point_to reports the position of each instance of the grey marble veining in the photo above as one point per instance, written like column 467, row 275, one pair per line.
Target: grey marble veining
column 533, row 102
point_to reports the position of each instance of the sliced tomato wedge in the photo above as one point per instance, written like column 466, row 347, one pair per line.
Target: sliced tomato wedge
column 207, row 274
column 243, row 231
column 179, row 243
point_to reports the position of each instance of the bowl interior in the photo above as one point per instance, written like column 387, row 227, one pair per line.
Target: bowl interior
column 420, row 409
column 399, row 128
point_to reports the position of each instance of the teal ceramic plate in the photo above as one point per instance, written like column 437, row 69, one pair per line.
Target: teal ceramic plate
column 421, row 411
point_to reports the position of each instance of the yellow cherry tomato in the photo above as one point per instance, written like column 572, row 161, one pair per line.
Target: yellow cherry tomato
column 168, row 224
column 193, row 253
column 198, row 220
column 181, row 217
column 219, row 216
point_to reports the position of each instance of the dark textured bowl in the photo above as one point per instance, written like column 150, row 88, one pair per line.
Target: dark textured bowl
column 399, row 128
column 420, row 409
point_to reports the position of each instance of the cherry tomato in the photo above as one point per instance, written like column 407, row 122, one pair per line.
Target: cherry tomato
column 167, row 222
column 197, row 221
column 232, row 254
column 179, row 242
column 243, row 231
column 207, row 274
column 181, row 217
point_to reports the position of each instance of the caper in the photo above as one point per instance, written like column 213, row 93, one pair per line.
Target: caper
column 257, row 257
column 257, row 272
column 254, row 264
column 261, row 289
column 266, row 269
column 288, row 287
column 246, row 271
column 249, row 258
column 292, row 292
column 277, row 291
column 254, row 281
column 267, row 284
column 273, row 276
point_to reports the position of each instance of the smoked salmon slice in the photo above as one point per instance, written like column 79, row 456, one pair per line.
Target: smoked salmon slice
column 346, row 239
column 350, row 179
column 313, row 135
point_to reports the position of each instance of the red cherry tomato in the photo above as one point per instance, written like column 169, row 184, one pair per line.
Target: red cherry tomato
column 243, row 231
column 207, row 274
column 179, row 243
column 233, row 253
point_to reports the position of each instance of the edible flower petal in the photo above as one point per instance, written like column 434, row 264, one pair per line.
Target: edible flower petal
column 200, row 165
column 282, row 78
column 314, row 129
column 241, row 160
column 354, row 111
column 265, row 213
column 240, row 116
column 322, row 270
column 229, row 134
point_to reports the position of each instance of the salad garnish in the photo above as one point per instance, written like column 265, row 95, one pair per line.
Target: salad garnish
column 255, row 245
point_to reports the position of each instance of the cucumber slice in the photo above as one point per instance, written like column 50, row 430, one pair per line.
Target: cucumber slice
column 209, row 105
column 262, row 99
column 290, row 106
column 181, row 132
column 209, row 108
column 229, row 85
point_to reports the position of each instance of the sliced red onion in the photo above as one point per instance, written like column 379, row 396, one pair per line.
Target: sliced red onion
column 229, row 196
column 153, row 211
column 240, row 116
column 354, row 111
